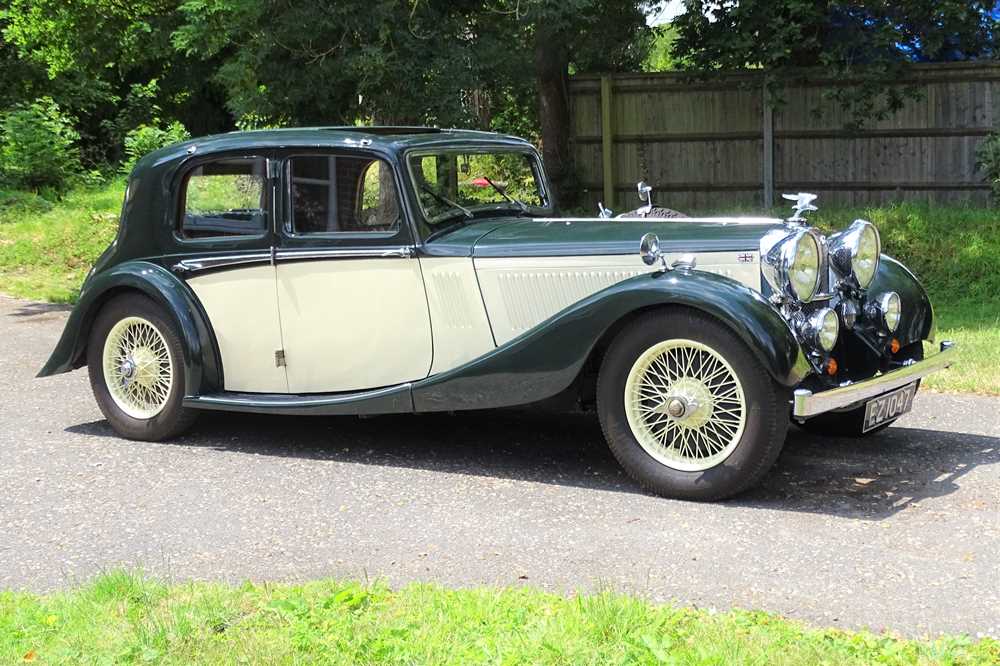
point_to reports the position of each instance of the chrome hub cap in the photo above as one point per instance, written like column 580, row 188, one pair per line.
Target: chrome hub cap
column 685, row 405
column 137, row 367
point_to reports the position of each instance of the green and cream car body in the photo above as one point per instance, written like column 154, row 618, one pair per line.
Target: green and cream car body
column 396, row 270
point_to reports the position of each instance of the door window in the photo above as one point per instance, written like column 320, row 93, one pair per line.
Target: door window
column 339, row 194
column 225, row 198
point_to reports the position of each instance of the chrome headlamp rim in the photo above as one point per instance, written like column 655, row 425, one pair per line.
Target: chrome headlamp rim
column 891, row 309
column 816, row 329
column 843, row 250
column 777, row 260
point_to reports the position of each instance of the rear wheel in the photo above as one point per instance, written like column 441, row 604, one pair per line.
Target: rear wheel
column 686, row 408
column 136, row 365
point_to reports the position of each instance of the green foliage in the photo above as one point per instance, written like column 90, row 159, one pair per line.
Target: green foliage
column 955, row 252
column 125, row 617
column 46, row 249
column 144, row 139
column 660, row 57
column 854, row 39
column 988, row 160
column 38, row 146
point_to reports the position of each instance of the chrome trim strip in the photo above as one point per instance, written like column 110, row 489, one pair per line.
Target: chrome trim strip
column 289, row 400
column 205, row 263
column 356, row 253
column 712, row 220
column 807, row 403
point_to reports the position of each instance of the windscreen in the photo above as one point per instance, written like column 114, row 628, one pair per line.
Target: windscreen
column 459, row 183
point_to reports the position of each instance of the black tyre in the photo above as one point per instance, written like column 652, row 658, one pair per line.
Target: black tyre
column 687, row 409
column 851, row 422
column 136, row 365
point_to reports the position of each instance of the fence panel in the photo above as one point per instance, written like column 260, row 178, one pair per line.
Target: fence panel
column 712, row 145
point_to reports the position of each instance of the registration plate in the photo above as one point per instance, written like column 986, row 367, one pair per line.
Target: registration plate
column 889, row 406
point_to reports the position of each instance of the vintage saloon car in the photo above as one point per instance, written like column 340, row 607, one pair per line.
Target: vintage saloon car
column 386, row 270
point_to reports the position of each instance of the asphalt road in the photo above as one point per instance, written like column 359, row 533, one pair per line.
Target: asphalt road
column 898, row 532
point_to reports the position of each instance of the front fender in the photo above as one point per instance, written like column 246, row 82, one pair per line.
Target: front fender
column 547, row 359
column 202, row 369
column 917, row 318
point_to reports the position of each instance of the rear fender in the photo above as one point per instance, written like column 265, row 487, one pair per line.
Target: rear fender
column 202, row 367
column 547, row 359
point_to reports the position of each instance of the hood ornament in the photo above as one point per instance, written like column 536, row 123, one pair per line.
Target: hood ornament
column 803, row 204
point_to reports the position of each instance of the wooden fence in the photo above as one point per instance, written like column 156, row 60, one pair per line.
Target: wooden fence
column 717, row 144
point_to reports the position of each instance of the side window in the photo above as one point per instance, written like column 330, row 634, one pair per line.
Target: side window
column 225, row 198
column 342, row 194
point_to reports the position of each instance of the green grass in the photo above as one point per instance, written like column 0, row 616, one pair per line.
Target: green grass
column 46, row 250
column 123, row 617
column 955, row 252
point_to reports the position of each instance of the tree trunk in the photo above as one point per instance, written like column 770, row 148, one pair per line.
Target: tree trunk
column 552, row 71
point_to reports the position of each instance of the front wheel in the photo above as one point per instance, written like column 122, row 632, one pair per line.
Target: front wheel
column 136, row 365
column 687, row 409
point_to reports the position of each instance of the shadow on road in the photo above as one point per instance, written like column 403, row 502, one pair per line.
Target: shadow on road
column 871, row 478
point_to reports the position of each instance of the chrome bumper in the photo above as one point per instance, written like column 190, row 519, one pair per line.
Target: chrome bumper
column 806, row 403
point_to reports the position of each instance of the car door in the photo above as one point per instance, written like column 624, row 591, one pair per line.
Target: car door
column 351, row 296
column 225, row 232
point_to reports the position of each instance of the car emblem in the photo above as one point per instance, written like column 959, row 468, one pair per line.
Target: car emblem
column 745, row 258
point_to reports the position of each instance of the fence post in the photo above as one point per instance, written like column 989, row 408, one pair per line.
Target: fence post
column 768, row 138
column 607, row 143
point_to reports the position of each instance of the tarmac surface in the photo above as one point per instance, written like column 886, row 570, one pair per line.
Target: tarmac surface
column 900, row 531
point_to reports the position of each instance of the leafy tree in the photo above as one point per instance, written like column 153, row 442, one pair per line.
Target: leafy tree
column 144, row 139
column 501, row 64
column 870, row 42
column 583, row 35
column 38, row 146
column 660, row 57
column 103, row 59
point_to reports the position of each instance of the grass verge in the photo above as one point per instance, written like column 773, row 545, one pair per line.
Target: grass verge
column 123, row 617
column 46, row 250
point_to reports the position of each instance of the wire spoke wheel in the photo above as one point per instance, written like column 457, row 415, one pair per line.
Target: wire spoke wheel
column 685, row 405
column 138, row 367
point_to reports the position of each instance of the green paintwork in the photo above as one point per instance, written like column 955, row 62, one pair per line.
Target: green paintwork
column 202, row 367
column 617, row 236
column 547, row 359
column 917, row 319
column 542, row 362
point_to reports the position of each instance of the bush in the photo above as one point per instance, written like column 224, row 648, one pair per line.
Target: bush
column 144, row 139
column 988, row 159
column 38, row 146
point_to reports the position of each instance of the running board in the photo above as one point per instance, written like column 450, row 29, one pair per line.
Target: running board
column 389, row 400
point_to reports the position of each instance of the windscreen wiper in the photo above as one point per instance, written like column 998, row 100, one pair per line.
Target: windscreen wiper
column 517, row 202
column 447, row 202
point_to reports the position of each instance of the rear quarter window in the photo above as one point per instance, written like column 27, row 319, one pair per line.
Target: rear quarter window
column 225, row 198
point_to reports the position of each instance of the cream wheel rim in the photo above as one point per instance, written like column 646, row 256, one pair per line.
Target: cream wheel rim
column 138, row 367
column 685, row 405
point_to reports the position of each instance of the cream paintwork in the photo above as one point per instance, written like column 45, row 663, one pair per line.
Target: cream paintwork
column 353, row 324
column 358, row 324
column 243, row 310
column 458, row 316
column 522, row 292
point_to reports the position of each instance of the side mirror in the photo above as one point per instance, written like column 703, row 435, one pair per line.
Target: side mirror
column 646, row 196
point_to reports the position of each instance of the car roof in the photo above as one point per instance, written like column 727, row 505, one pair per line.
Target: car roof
column 387, row 138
